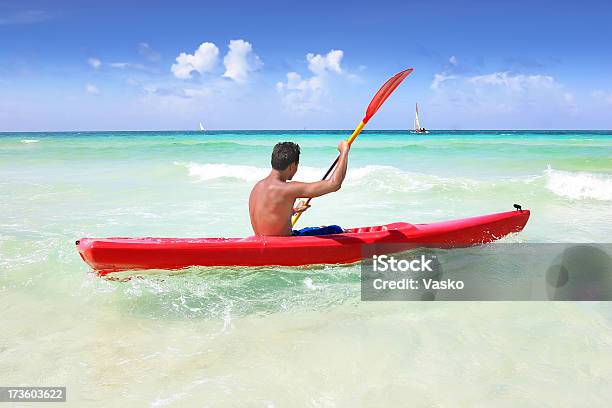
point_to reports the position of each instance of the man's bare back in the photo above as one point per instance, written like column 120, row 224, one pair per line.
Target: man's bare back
column 271, row 207
column 272, row 200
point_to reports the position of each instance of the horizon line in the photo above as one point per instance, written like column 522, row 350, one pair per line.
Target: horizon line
column 302, row 130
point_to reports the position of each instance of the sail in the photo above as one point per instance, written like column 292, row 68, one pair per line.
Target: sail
column 417, row 124
column 201, row 126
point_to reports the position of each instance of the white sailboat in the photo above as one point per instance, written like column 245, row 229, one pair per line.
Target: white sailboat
column 417, row 125
column 202, row 127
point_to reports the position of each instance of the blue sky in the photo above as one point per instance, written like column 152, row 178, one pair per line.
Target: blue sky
column 154, row 65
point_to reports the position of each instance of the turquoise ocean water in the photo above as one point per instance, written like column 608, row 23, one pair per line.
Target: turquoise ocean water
column 277, row 336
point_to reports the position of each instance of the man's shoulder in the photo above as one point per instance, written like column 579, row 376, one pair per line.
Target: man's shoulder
column 269, row 184
column 282, row 187
column 277, row 186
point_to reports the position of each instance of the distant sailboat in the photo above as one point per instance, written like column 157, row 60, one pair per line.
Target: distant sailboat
column 202, row 127
column 417, row 125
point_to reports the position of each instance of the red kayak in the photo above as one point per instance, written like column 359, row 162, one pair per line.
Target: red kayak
column 106, row 255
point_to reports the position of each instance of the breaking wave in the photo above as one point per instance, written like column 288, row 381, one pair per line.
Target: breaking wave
column 385, row 177
column 579, row 185
column 572, row 185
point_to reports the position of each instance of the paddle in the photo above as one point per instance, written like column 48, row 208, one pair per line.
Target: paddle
column 381, row 96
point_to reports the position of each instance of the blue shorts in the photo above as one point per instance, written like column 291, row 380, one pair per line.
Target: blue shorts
column 309, row 231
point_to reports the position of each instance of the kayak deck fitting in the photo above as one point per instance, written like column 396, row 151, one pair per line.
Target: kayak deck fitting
column 107, row 255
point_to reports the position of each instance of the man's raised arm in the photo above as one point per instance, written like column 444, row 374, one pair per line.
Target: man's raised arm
column 319, row 188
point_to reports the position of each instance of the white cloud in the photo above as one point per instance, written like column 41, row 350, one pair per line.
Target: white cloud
column 131, row 66
column 513, row 82
column 439, row 79
column 204, row 59
column 504, row 80
column 319, row 64
column 92, row 89
column 119, row 64
column 453, row 60
column 303, row 94
column 240, row 61
column 94, row 62
column 502, row 99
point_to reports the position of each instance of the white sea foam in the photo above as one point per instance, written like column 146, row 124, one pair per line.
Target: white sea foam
column 207, row 171
column 386, row 178
column 310, row 285
column 391, row 178
column 574, row 185
column 30, row 141
column 579, row 185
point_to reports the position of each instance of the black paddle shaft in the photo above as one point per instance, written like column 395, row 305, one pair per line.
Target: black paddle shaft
column 331, row 167
column 327, row 174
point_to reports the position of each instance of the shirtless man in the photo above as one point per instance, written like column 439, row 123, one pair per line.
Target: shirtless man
column 272, row 200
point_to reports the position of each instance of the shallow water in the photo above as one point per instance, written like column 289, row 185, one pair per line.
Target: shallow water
column 290, row 336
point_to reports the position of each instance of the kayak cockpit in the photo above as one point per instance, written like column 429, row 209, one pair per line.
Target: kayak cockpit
column 380, row 228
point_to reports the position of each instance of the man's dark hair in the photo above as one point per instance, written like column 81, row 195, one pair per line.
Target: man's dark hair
column 284, row 154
